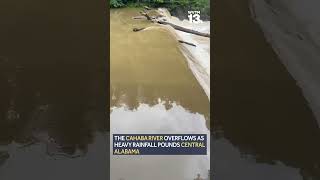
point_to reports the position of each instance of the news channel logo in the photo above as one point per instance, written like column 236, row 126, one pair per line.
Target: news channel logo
column 194, row 17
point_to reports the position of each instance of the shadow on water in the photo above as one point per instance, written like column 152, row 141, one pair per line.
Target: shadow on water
column 264, row 127
column 53, row 84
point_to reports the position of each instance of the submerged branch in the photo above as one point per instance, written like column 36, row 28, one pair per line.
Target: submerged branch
column 185, row 42
column 137, row 29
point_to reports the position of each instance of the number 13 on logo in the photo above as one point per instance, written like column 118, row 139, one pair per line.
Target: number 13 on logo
column 194, row 17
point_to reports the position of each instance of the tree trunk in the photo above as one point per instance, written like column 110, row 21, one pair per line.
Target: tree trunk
column 179, row 28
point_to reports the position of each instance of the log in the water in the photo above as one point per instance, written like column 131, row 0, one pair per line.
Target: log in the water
column 137, row 29
column 183, row 29
column 179, row 28
column 146, row 15
column 191, row 44
column 139, row 17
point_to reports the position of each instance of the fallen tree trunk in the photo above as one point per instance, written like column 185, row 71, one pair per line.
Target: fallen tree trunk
column 139, row 17
column 185, row 42
column 137, row 29
column 181, row 41
column 183, row 29
column 146, row 15
column 179, row 28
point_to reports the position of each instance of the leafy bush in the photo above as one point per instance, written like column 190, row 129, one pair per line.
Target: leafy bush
column 116, row 3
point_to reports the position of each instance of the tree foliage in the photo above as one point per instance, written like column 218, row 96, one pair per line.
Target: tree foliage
column 116, row 3
column 172, row 5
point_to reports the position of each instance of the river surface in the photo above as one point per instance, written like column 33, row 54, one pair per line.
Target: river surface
column 264, row 127
column 53, row 90
column 153, row 91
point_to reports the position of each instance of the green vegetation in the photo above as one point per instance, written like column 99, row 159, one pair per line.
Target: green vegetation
column 116, row 3
column 176, row 7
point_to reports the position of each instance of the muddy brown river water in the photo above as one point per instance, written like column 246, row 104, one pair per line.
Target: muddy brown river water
column 53, row 90
column 264, row 127
column 153, row 91
column 54, row 100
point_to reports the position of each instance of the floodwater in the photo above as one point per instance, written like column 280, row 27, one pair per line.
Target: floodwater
column 53, row 94
column 263, row 126
column 153, row 91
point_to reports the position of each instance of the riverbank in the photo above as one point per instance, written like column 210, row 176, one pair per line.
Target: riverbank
column 198, row 56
